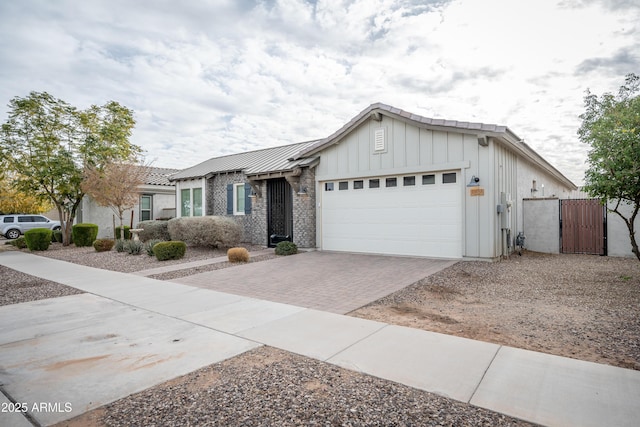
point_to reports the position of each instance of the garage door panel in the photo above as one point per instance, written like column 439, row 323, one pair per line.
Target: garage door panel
column 420, row 220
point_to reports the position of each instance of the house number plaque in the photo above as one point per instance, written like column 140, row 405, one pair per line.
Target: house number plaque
column 476, row 191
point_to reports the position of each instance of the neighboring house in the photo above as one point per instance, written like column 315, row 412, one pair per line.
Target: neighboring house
column 156, row 201
column 387, row 182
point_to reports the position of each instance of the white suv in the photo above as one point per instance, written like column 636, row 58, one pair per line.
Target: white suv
column 12, row 226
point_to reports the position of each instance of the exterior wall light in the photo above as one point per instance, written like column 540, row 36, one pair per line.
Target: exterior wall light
column 474, row 181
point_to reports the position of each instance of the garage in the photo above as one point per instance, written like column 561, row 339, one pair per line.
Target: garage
column 416, row 215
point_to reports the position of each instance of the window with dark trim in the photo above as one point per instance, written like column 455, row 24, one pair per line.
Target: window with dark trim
column 328, row 186
column 374, row 183
column 408, row 181
column 448, row 178
column 391, row 182
column 358, row 185
column 343, row 185
column 428, row 179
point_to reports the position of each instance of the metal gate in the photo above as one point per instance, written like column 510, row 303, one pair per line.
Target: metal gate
column 583, row 227
column 279, row 211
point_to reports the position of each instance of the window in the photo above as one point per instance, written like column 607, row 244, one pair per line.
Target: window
column 391, row 182
column 428, row 179
column 343, row 185
column 408, row 181
column 448, row 178
column 374, row 183
column 8, row 219
column 328, row 186
column 238, row 197
column 197, row 202
column 358, row 185
column 25, row 219
column 145, row 208
column 185, row 202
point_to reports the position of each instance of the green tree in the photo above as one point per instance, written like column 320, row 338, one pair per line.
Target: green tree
column 611, row 125
column 48, row 144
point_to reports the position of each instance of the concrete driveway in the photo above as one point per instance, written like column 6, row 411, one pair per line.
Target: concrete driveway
column 326, row 281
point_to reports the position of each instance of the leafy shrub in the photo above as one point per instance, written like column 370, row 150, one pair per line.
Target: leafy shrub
column 127, row 233
column 206, row 231
column 169, row 250
column 286, row 248
column 238, row 255
column 103, row 245
column 121, row 245
column 56, row 236
column 19, row 243
column 84, row 234
column 134, row 247
column 148, row 246
column 154, row 230
column 38, row 239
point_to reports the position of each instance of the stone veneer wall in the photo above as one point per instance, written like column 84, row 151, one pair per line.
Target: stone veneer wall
column 255, row 225
column 304, row 211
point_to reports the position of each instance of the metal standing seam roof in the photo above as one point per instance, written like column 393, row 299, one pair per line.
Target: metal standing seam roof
column 266, row 160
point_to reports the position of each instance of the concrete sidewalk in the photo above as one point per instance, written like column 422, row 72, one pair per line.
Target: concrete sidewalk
column 135, row 332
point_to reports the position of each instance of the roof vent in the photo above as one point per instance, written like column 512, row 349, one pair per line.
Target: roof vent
column 379, row 142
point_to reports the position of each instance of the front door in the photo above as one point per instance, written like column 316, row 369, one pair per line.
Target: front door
column 279, row 211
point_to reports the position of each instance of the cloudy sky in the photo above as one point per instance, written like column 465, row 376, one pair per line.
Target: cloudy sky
column 207, row 78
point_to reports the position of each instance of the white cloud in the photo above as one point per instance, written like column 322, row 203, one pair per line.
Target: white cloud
column 210, row 78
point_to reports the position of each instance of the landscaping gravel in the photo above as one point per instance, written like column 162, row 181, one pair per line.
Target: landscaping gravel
column 271, row 387
column 17, row 287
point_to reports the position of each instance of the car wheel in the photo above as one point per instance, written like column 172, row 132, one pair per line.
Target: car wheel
column 12, row 234
column 56, row 228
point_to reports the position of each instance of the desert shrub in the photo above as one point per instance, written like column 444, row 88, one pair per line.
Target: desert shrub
column 154, row 230
column 56, row 236
column 103, row 245
column 286, row 248
column 38, row 239
column 121, row 245
column 148, row 246
column 206, row 231
column 238, row 255
column 127, row 233
column 19, row 243
column 134, row 247
column 169, row 250
column 84, row 234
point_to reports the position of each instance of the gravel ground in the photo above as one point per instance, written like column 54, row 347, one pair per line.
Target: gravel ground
column 16, row 287
column 580, row 306
column 271, row 387
column 124, row 262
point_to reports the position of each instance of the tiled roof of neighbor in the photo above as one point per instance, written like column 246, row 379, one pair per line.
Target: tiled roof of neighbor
column 274, row 159
column 159, row 176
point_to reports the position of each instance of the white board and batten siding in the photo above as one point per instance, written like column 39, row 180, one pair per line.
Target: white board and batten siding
column 417, row 220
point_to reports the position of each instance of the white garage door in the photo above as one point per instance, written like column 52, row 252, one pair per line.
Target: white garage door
column 417, row 215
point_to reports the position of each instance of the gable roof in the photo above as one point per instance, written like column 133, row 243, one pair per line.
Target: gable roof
column 266, row 160
column 502, row 133
column 388, row 110
column 159, row 176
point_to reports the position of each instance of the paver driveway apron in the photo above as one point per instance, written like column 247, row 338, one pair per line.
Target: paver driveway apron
column 326, row 281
